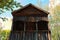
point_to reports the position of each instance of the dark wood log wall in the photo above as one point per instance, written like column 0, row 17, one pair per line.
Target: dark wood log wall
column 25, row 26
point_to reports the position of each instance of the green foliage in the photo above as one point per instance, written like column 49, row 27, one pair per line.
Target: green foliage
column 55, row 24
column 5, row 35
column 8, row 5
column 4, row 19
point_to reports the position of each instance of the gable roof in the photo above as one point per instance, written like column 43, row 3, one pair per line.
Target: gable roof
column 16, row 11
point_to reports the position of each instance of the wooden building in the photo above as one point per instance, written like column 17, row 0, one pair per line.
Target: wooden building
column 30, row 23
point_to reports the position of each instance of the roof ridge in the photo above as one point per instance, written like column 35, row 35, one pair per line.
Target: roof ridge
column 33, row 6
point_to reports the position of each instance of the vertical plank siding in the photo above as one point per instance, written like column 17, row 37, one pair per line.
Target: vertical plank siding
column 28, row 36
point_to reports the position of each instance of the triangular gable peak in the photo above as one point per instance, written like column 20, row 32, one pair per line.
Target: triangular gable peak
column 29, row 10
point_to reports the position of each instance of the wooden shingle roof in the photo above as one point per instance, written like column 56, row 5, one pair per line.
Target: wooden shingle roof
column 24, row 10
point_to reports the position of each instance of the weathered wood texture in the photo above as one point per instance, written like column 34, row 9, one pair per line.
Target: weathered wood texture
column 30, row 23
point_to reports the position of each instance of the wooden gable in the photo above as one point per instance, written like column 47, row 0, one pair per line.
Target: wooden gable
column 30, row 10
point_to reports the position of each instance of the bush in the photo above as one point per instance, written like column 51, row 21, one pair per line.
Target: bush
column 4, row 35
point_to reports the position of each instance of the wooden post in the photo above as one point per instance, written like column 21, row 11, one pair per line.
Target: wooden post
column 24, row 31
column 36, row 31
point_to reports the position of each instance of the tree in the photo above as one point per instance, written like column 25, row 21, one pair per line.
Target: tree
column 55, row 24
column 8, row 5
